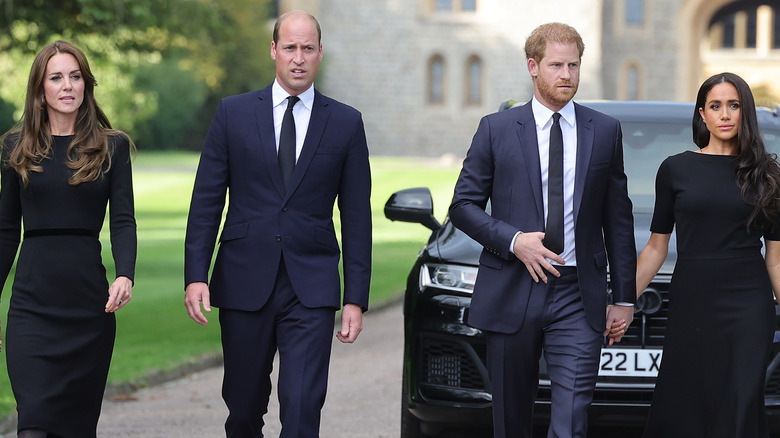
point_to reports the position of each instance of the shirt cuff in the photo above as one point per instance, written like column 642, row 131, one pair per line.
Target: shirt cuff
column 624, row 304
column 512, row 244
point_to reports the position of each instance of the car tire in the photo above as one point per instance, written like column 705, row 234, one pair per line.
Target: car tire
column 410, row 425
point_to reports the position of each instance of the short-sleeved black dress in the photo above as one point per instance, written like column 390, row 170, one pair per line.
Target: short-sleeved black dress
column 721, row 317
column 59, row 339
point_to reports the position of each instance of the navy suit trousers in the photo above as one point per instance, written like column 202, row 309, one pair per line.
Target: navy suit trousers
column 556, row 326
column 250, row 340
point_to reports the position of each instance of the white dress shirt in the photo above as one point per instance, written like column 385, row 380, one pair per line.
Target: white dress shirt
column 568, row 121
column 301, row 113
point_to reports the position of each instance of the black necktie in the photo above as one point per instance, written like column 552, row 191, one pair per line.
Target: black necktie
column 553, row 233
column 286, row 155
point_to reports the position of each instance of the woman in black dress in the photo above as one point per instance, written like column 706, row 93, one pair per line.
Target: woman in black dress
column 722, row 199
column 61, row 166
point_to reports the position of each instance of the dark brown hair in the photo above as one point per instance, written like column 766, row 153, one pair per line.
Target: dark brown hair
column 758, row 173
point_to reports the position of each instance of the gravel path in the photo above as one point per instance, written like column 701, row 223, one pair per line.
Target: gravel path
column 364, row 393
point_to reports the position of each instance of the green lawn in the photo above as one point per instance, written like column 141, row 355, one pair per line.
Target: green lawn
column 154, row 332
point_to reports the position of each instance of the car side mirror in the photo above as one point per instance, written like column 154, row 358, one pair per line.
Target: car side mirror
column 412, row 205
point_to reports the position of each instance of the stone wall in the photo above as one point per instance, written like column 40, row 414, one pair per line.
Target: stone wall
column 376, row 55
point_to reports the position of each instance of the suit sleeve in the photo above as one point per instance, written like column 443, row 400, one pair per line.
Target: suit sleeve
column 472, row 192
column 355, row 211
column 10, row 216
column 208, row 201
column 124, row 241
column 618, row 227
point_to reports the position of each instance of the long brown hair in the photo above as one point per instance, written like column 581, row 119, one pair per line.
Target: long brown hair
column 758, row 173
column 89, row 150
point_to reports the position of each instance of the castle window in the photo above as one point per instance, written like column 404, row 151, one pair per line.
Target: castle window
column 745, row 28
column 453, row 5
column 728, row 32
column 632, row 83
column 750, row 29
column 473, row 81
column 776, row 30
column 443, row 5
column 436, row 80
column 635, row 12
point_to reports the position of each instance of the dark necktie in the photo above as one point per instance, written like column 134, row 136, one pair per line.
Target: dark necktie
column 286, row 156
column 553, row 233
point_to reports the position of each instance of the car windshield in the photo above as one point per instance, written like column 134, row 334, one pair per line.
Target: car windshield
column 646, row 145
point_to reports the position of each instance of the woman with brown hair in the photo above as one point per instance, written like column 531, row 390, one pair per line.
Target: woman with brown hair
column 61, row 166
column 722, row 199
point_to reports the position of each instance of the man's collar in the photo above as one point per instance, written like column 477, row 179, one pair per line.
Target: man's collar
column 542, row 114
column 279, row 94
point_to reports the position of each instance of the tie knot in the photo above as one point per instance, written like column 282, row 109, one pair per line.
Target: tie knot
column 556, row 117
column 292, row 100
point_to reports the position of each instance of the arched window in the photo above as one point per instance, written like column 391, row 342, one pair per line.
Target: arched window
column 436, row 80
column 473, row 95
column 632, row 83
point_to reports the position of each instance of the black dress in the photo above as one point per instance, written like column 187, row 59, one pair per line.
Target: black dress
column 721, row 316
column 59, row 339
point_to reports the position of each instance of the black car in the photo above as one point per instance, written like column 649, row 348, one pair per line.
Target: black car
column 446, row 390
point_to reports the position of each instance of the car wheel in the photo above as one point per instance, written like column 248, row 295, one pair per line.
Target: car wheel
column 410, row 425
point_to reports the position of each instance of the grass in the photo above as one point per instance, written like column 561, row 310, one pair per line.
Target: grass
column 154, row 332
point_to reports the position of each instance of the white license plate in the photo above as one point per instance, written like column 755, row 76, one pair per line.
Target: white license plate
column 629, row 362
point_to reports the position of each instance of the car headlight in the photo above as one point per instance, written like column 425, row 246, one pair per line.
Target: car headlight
column 450, row 277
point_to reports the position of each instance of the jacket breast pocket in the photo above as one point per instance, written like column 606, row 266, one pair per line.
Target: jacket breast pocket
column 329, row 150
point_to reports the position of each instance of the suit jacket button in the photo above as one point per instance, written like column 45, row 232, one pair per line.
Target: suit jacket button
column 278, row 238
column 284, row 208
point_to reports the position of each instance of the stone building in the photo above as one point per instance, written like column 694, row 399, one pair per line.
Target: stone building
column 423, row 72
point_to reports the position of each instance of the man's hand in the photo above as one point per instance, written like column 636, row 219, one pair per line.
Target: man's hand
column 351, row 323
column 195, row 294
column 618, row 320
column 531, row 251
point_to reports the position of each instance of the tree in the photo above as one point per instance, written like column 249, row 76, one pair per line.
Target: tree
column 136, row 49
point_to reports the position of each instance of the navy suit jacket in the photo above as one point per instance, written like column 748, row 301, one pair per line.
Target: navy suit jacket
column 503, row 165
column 264, row 221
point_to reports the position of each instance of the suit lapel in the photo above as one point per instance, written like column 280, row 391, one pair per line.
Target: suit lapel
column 319, row 119
column 584, row 152
column 529, row 146
column 265, row 127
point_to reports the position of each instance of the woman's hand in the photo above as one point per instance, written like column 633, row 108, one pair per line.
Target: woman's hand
column 120, row 292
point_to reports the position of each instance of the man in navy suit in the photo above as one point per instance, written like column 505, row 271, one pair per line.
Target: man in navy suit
column 276, row 275
column 531, row 295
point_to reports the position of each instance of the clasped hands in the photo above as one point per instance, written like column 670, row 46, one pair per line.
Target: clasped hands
column 618, row 319
column 529, row 248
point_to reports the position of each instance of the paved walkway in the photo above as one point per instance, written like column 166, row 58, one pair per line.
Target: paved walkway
column 363, row 401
